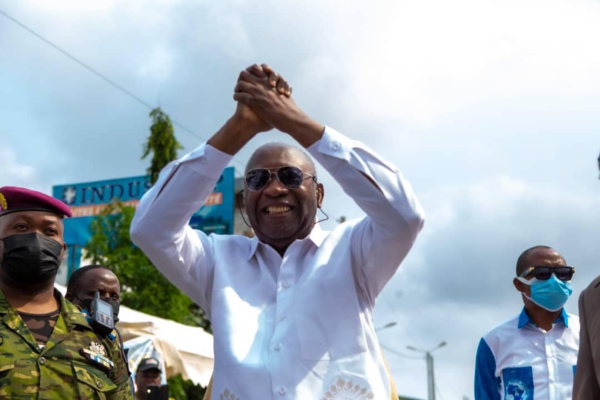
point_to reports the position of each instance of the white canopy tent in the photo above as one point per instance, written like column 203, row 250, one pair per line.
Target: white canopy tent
column 185, row 350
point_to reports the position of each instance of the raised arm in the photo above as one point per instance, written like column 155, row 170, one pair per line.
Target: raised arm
column 382, row 240
column 160, row 225
column 395, row 217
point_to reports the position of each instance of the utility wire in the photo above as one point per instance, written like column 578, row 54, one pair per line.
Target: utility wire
column 103, row 77
column 92, row 70
column 78, row 61
column 399, row 354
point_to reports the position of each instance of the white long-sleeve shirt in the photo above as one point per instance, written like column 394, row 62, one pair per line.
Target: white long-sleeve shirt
column 292, row 327
column 519, row 360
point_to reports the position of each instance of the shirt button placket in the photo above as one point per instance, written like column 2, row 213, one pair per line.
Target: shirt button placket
column 279, row 352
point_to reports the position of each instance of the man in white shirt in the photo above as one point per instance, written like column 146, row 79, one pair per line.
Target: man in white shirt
column 291, row 309
column 533, row 355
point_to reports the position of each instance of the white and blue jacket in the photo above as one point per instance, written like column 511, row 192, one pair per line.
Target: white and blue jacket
column 520, row 361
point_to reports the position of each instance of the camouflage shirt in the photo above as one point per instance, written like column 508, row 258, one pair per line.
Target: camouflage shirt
column 75, row 363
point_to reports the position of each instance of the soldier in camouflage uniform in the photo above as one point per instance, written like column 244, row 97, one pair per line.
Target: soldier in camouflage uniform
column 47, row 348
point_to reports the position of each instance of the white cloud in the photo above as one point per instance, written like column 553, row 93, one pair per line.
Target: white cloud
column 16, row 173
column 457, row 282
column 421, row 60
column 158, row 65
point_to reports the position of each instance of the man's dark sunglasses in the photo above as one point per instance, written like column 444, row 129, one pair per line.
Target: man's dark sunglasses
column 290, row 177
column 543, row 272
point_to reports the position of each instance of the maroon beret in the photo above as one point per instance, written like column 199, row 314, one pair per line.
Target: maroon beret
column 14, row 199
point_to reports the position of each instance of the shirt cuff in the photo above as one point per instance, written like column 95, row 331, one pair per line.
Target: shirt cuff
column 333, row 144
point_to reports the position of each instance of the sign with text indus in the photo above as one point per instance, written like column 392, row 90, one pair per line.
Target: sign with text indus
column 87, row 200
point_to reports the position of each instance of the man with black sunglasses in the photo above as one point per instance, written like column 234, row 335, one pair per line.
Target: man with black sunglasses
column 533, row 355
column 291, row 309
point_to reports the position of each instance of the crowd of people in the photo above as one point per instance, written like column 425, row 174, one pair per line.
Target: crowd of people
column 291, row 308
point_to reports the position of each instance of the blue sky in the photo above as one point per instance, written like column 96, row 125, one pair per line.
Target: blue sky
column 489, row 107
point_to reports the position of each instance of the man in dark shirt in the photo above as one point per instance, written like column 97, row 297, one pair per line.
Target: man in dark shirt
column 86, row 281
column 148, row 374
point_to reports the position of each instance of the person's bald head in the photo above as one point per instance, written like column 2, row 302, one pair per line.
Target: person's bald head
column 538, row 255
column 293, row 153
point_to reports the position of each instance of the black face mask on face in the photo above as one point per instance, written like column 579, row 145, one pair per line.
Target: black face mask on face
column 31, row 257
column 86, row 304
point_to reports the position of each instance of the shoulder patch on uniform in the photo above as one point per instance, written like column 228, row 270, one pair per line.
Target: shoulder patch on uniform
column 97, row 348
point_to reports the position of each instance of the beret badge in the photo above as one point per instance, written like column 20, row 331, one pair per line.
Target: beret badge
column 3, row 203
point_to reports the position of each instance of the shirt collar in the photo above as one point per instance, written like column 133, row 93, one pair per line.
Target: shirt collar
column 4, row 306
column 70, row 312
column 524, row 318
column 317, row 236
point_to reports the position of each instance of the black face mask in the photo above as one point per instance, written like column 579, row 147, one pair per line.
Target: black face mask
column 86, row 304
column 31, row 257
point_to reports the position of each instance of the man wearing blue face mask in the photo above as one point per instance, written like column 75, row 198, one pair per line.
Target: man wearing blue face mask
column 533, row 355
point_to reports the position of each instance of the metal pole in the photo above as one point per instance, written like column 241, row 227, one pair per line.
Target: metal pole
column 430, row 377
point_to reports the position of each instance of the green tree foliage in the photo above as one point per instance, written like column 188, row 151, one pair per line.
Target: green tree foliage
column 161, row 143
column 181, row 389
column 143, row 287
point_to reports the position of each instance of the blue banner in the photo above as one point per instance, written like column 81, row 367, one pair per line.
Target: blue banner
column 87, row 200
column 216, row 216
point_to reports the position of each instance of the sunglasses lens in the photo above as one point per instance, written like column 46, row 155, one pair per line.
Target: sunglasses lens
column 257, row 179
column 564, row 273
column 542, row 273
column 291, row 177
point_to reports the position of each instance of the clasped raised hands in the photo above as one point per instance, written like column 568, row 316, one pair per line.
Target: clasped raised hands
column 268, row 96
column 264, row 102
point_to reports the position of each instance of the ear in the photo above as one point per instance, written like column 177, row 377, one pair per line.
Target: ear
column 64, row 251
column 240, row 199
column 320, row 194
column 520, row 286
